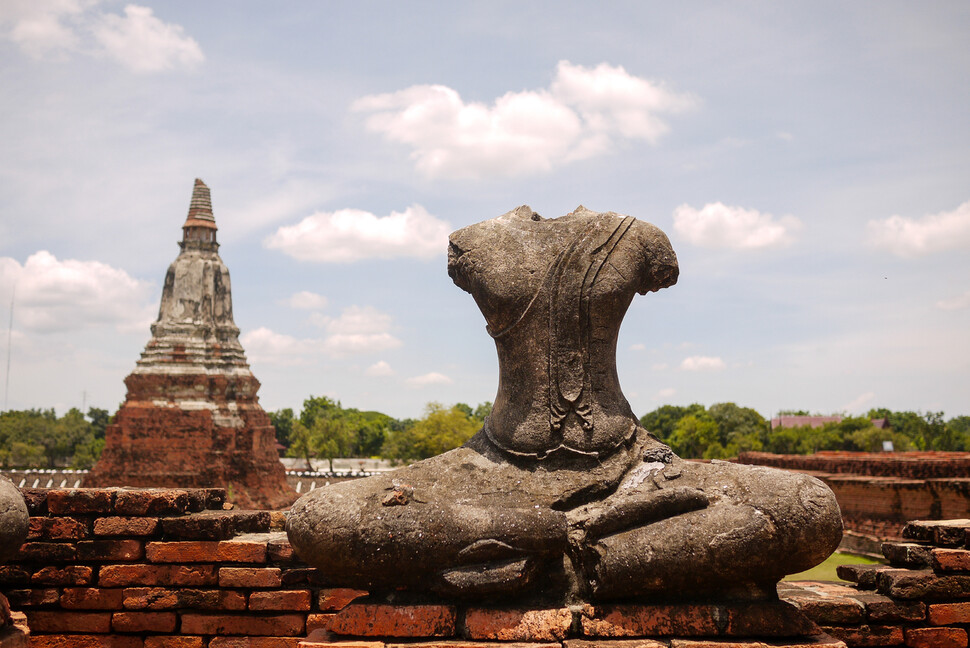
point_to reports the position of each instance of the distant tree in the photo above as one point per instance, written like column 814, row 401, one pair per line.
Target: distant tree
column 301, row 443
column 482, row 411
column 792, row 412
column 696, row 436
column 282, row 421
column 100, row 418
column 441, row 429
column 331, row 437
column 663, row 420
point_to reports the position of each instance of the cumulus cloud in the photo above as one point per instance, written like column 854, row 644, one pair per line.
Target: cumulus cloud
column 911, row 237
column 358, row 330
column 702, row 363
column 717, row 225
column 860, row 403
column 56, row 296
column 349, row 235
column 269, row 347
column 665, row 394
column 956, row 303
column 433, row 378
column 306, row 300
column 137, row 40
column 639, row 346
column 379, row 369
column 143, row 43
column 583, row 113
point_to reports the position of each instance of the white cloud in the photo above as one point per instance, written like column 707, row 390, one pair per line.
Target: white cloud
column 665, row 394
column 143, row 43
column 56, row 296
column 702, row 363
column 349, row 235
column 583, row 113
column 717, row 225
column 909, row 237
column 379, row 369
column 433, row 378
column 138, row 40
column 269, row 347
column 859, row 403
column 639, row 346
column 956, row 303
column 306, row 300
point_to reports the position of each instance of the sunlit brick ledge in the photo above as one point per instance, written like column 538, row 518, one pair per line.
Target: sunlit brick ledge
column 174, row 568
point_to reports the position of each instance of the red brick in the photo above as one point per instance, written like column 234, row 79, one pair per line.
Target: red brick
column 617, row 643
column 84, row 641
column 91, row 598
column 297, row 600
column 174, row 641
column 58, row 528
column 279, row 550
column 255, row 642
column 125, row 526
column 42, row 621
column 883, row 608
column 949, row 613
column 331, row 600
column 282, row 625
column 321, row 639
column 867, row 635
column 46, row 552
column 214, row 600
column 14, row 575
column 318, row 622
column 206, row 551
column 80, row 500
column 158, row 622
column 70, row 575
column 951, row 559
column 104, row 550
column 767, row 619
column 936, row 637
column 249, row 577
column 650, row 620
column 150, row 575
column 365, row 620
column 149, row 598
column 833, row 611
column 714, row 643
column 33, row 597
column 517, row 625
column 151, row 502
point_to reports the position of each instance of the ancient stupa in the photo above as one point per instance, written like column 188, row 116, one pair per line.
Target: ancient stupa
column 191, row 417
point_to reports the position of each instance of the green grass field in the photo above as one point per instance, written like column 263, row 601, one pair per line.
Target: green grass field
column 826, row 571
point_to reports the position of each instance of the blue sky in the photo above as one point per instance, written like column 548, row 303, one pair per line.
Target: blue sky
column 809, row 161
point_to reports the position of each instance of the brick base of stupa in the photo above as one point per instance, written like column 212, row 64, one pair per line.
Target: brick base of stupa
column 194, row 431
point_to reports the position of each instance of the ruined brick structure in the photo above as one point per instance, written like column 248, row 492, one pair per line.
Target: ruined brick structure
column 165, row 568
column 880, row 492
column 191, row 418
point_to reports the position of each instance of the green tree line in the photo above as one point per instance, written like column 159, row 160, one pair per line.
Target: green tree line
column 326, row 430
column 38, row 438
column 725, row 429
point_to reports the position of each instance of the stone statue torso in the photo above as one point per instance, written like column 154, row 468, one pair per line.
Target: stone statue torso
column 553, row 293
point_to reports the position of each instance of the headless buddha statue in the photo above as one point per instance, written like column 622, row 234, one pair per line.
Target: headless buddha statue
column 562, row 495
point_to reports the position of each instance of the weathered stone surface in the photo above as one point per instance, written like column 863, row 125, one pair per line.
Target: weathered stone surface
column 14, row 519
column 562, row 495
column 191, row 418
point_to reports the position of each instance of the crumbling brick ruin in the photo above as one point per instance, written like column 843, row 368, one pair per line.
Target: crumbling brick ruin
column 191, row 418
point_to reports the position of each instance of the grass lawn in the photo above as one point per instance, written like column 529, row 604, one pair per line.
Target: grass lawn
column 826, row 570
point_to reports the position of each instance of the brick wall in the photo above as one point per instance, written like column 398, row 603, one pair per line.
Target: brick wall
column 167, row 568
column 880, row 492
